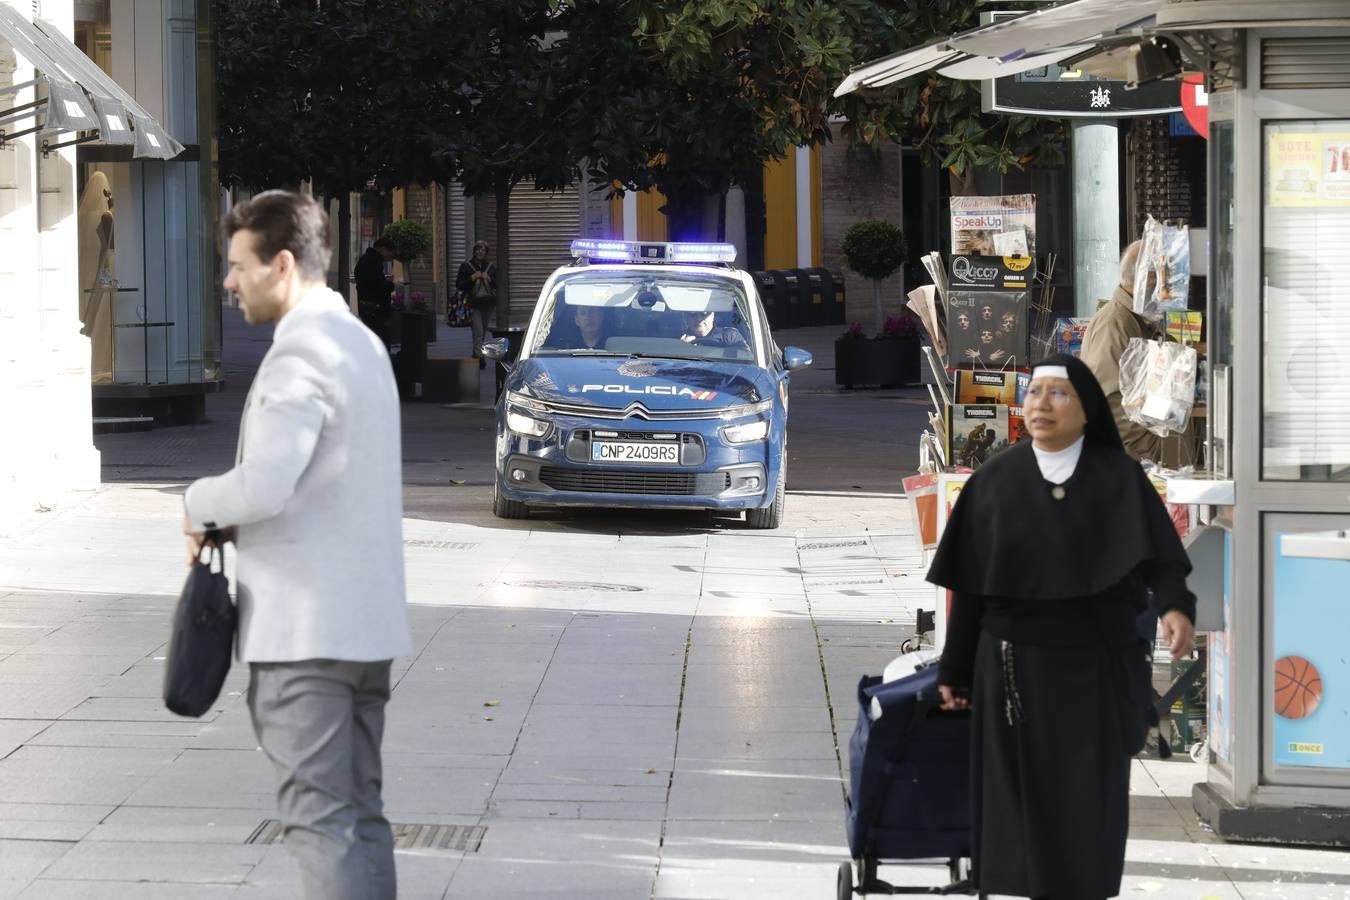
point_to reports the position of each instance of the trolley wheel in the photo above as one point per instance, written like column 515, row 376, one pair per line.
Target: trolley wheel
column 845, row 883
column 909, row 645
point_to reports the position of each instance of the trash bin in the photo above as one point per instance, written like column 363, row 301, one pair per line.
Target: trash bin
column 410, row 361
column 837, row 299
column 514, row 337
column 768, row 296
column 788, row 302
column 812, row 289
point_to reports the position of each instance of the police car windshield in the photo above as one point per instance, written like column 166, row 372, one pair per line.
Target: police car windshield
column 604, row 311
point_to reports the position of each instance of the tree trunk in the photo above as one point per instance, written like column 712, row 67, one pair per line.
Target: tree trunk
column 962, row 185
column 503, row 196
column 693, row 216
column 344, row 269
column 876, row 305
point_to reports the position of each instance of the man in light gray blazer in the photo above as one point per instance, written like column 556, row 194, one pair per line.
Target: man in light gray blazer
column 314, row 506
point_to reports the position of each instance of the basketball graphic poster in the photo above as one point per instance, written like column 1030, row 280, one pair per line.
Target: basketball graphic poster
column 1307, row 684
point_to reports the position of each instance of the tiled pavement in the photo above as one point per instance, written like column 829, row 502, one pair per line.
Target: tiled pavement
column 631, row 708
column 629, row 713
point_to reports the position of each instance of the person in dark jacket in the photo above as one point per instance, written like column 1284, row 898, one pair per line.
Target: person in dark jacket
column 1054, row 547
column 374, row 288
column 477, row 281
column 700, row 328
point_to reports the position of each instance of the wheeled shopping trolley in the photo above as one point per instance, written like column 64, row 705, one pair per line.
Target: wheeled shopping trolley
column 909, row 785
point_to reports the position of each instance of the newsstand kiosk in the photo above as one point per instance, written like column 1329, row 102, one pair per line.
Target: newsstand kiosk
column 1276, row 575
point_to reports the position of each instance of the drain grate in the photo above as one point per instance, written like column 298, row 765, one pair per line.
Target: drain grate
column 406, row 837
column 441, row 545
column 831, row 545
column 597, row 586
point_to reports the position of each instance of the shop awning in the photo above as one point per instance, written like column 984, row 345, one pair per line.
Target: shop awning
column 81, row 97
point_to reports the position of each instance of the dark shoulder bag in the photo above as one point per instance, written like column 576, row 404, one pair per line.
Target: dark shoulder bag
column 202, row 640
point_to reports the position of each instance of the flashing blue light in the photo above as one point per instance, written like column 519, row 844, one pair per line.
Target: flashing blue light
column 650, row 251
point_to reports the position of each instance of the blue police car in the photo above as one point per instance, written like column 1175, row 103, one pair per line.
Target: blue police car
column 647, row 378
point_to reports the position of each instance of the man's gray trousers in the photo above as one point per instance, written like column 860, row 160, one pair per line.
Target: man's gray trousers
column 320, row 721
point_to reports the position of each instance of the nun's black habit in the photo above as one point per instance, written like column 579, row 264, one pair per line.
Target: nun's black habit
column 1047, row 582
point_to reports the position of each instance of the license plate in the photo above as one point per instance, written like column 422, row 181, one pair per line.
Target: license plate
column 662, row 452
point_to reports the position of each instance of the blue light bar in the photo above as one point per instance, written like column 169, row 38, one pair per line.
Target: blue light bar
column 652, row 251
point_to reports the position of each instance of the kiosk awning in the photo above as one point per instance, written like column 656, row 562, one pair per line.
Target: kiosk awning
column 1070, row 29
column 81, row 97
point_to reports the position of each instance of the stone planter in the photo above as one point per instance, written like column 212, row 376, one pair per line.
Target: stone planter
column 887, row 362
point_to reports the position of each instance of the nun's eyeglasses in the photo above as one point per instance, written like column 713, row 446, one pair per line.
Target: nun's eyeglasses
column 1058, row 396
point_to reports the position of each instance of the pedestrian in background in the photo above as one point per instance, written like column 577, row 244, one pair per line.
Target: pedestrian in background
column 1051, row 552
column 1104, row 342
column 374, row 289
column 477, row 281
column 314, row 505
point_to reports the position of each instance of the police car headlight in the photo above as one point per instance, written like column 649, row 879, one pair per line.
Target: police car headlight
column 743, row 434
column 526, row 425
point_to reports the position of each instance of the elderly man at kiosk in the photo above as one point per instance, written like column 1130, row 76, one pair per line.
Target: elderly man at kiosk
column 1107, row 336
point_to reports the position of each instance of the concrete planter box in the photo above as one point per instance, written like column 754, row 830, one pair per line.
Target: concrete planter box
column 886, row 362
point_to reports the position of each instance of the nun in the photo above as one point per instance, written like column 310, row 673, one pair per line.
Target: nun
column 1055, row 546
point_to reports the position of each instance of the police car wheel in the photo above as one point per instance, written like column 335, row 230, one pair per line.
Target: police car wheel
column 503, row 508
column 770, row 516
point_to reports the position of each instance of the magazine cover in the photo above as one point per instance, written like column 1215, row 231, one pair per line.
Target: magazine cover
column 975, row 431
column 1068, row 336
column 987, row 328
column 979, row 386
column 1023, row 382
column 1017, row 427
column 994, row 226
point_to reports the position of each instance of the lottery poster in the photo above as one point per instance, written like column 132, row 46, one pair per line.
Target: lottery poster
column 1308, row 169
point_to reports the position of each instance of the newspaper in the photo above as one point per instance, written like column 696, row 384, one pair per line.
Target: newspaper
column 994, row 226
column 924, row 303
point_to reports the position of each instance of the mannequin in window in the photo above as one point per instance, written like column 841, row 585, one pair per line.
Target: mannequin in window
column 98, row 283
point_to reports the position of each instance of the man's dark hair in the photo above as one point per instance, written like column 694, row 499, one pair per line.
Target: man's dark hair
column 384, row 243
column 282, row 220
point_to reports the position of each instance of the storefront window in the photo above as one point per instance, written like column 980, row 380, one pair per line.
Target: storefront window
column 1305, row 433
column 147, row 265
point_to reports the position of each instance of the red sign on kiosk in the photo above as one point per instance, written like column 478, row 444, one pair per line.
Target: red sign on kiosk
column 1195, row 103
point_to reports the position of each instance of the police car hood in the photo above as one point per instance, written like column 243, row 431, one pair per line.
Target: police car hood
column 659, row 384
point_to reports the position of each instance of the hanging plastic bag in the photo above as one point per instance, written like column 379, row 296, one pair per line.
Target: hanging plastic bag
column 1157, row 384
column 1162, row 276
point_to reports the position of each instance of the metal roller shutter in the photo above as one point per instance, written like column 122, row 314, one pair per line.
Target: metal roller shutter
column 1303, row 63
column 543, row 226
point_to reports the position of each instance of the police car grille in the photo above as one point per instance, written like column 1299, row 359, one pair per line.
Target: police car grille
column 603, row 481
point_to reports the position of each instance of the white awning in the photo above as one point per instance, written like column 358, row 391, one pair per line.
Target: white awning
column 1070, row 28
column 81, row 97
column 1044, row 30
column 898, row 67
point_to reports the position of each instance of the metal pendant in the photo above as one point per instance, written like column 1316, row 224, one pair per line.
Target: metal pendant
column 1057, row 492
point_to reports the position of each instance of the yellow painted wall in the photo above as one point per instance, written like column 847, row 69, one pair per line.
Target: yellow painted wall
column 651, row 222
column 780, row 212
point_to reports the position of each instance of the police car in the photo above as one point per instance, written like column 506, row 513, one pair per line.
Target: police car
column 647, row 378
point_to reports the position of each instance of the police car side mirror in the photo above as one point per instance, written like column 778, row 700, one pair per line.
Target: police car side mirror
column 493, row 349
column 795, row 358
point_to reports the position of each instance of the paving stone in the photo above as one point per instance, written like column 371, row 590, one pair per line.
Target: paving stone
column 69, row 889
column 141, row 861
column 78, row 775
column 21, row 861
column 154, row 735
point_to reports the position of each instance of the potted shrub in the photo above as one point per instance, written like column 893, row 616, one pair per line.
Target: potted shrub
column 874, row 249
column 410, row 241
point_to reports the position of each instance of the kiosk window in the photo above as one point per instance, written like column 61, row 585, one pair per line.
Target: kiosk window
column 1305, row 417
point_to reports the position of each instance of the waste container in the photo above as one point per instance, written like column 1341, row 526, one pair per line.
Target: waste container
column 514, row 337
column 837, row 299
column 410, row 360
column 789, row 302
column 768, row 296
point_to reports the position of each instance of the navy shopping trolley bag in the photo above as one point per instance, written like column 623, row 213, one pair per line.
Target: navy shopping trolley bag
column 909, row 783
